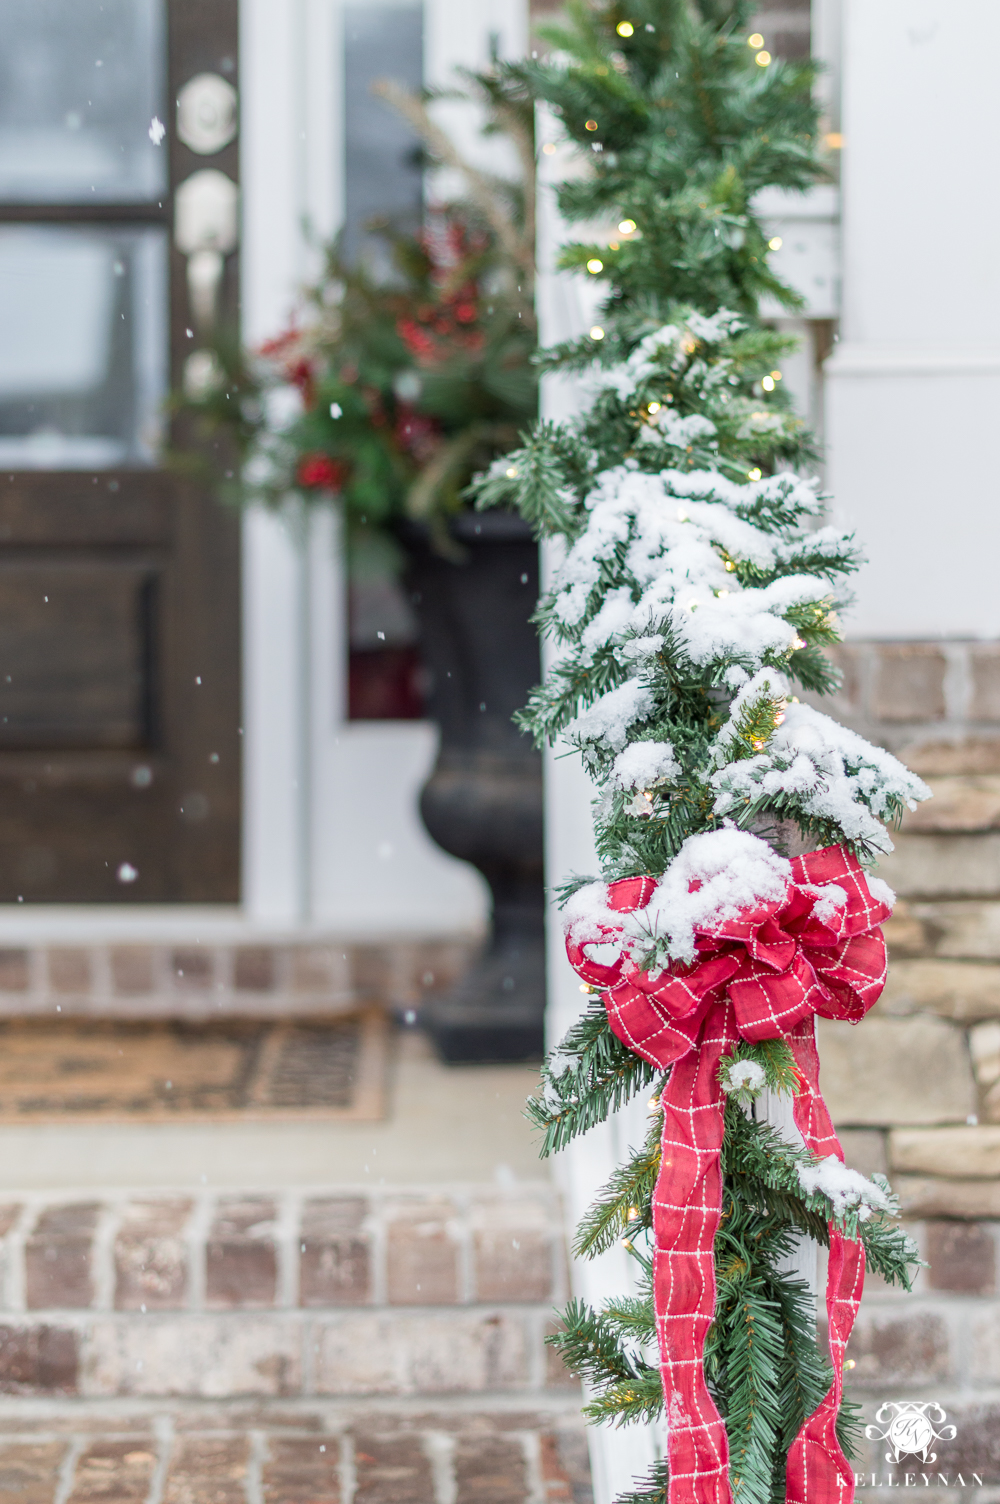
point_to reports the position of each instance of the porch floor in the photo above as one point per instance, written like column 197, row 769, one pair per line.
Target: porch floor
column 443, row 1123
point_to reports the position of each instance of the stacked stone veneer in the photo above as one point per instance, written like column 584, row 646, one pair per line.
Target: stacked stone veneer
column 915, row 1090
column 284, row 1296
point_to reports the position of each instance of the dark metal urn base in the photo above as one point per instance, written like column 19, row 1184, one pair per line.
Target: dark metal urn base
column 483, row 801
column 496, row 1012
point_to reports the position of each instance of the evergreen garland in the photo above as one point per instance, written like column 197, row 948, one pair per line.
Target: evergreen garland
column 696, row 589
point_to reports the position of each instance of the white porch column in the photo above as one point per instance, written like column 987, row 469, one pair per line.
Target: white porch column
column 913, row 388
column 272, row 189
column 567, row 306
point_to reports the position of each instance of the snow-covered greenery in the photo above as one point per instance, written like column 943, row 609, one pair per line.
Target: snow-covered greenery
column 696, row 591
column 697, row 588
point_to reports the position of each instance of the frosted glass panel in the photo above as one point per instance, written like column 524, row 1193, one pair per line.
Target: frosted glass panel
column 83, row 346
column 80, row 82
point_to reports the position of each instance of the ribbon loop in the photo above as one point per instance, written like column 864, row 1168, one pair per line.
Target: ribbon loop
column 762, row 974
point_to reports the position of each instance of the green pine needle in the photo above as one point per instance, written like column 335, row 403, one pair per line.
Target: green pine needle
column 589, row 1077
column 775, row 1059
column 651, row 1489
column 625, row 1203
column 758, row 1161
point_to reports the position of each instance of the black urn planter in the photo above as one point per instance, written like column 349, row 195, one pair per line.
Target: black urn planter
column 483, row 800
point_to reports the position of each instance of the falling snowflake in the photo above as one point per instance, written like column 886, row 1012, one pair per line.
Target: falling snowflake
column 127, row 873
column 157, row 130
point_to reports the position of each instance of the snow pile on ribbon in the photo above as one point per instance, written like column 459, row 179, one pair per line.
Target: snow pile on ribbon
column 756, row 946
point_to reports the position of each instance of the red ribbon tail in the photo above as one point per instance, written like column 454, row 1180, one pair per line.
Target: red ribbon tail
column 818, row 1472
column 687, row 1204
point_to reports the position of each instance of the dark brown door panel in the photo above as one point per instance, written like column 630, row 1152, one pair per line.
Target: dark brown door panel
column 123, row 507
column 77, row 649
column 74, row 840
column 119, row 757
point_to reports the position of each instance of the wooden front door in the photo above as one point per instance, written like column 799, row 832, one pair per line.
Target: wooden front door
column 119, row 578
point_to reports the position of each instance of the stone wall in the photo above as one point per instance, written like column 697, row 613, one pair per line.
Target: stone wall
column 915, row 1091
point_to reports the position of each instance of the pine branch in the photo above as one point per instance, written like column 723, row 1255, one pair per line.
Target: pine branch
column 758, row 811
column 590, row 1347
column 600, row 1075
column 628, row 1401
column 804, row 1375
column 773, row 1057
column 813, row 671
column 757, row 1160
column 563, row 892
column 624, row 1204
column 752, row 1332
column 628, row 1389
column 535, row 480
column 651, row 1489
column 850, row 1428
column 753, row 1241
column 629, row 847
column 889, row 1251
column 554, row 703
column 634, row 1317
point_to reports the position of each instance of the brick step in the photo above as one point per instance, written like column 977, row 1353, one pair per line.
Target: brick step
column 399, row 1292
column 207, row 980
column 294, row 1455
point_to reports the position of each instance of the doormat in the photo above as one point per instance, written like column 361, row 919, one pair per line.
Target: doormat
column 173, row 1071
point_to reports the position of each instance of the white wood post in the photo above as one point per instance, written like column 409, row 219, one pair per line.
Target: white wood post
column 274, row 699
column 566, row 306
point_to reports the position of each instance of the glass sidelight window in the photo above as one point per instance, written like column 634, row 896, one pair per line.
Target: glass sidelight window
column 382, row 176
column 382, row 182
column 83, row 294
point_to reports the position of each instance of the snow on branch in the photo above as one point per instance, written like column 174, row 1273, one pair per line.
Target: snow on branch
column 825, row 772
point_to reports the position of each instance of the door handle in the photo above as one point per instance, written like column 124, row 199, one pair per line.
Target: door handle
column 206, row 113
column 206, row 230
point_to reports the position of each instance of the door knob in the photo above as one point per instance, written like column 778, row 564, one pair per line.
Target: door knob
column 206, row 113
column 206, row 230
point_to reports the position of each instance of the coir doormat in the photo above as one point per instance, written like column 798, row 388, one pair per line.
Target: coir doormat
column 171, row 1071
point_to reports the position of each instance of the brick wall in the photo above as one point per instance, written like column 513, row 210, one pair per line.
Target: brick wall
column 346, row 1295
column 198, row 980
column 293, row 1455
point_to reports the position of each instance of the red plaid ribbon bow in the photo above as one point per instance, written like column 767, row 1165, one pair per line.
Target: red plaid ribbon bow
column 762, row 975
